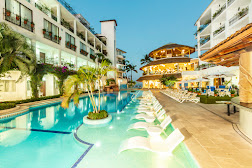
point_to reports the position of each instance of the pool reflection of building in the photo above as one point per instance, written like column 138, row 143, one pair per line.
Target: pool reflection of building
column 171, row 60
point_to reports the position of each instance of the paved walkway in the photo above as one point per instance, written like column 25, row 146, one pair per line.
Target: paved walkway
column 211, row 139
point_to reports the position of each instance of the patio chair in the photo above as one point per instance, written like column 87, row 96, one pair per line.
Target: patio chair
column 148, row 118
column 151, row 128
column 166, row 146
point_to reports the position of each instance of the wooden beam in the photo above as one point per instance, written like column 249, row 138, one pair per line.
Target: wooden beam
column 234, row 49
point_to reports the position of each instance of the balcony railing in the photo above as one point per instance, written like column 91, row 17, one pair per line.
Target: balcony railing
column 70, row 46
column 204, row 40
column 67, row 25
column 238, row 16
column 169, row 71
column 50, row 36
column 218, row 31
column 83, row 52
column 90, row 43
column 219, row 11
column 230, row 2
column 18, row 20
column 54, row 17
column 93, row 57
column 105, row 52
column 81, row 36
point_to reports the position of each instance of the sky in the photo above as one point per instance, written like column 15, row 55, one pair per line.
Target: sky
column 145, row 25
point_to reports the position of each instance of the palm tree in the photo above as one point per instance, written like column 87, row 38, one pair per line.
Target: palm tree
column 15, row 52
column 131, row 68
column 145, row 60
column 86, row 75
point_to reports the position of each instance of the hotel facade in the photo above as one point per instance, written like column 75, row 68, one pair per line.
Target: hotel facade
column 61, row 37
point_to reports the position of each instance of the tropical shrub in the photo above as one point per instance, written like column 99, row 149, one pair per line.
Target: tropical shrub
column 4, row 106
column 168, row 80
column 96, row 116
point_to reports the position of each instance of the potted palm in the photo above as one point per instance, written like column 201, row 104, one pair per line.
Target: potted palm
column 59, row 38
column 232, row 93
column 87, row 76
column 215, row 93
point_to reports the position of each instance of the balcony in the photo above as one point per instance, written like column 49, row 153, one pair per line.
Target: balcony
column 49, row 36
column 219, row 30
column 90, row 43
column 98, row 48
column 18, row 20
column 202, row 27
column 83, row 52
column 67, row 25
column 230, row 2
column 81, row 36
column 204, row 40
column 93, row 57
column 238, row 16
column 70, row 46
column 165, row 72
column 219, row 11
column 105, row 52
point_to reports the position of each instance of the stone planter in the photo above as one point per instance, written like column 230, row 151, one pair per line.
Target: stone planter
column 97, row 122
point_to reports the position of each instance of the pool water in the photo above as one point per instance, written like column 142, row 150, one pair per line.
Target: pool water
column 44, row 138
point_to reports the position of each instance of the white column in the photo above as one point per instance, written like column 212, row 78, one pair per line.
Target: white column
column 59, row 57
column 101, row 48
column 86, row 36
column 250, row 12
column 94, row 43
column 226, row 23
column 198, row 39
column 75, row 27
column 58, row 14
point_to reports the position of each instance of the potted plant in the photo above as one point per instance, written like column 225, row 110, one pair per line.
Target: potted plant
column 25, row 21
column 32, row 24
column 59, row 37
column 198, row 92
column 232, row 93
column 215, row 93
column 50, row 33
column 68, row 43
column 8, row 12
column 44, row 31
column 17, row 17
column 55, row 37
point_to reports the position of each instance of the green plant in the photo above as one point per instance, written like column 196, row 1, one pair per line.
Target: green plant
column 146, row 60
column 16, row 52
column 86, row 75
column 96, row 116
column 130, row 68
column 168, row 80
column 232, row 91
column 216, row 92
column 4, row 105
column 131, row 84
column 111, row 80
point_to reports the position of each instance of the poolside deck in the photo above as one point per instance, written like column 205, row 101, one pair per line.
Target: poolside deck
column 212, row 139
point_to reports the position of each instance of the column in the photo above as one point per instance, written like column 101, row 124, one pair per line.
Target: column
column 245, row 79
column 86, row 36
column 94, row 43
column 59, row 57
column 75, row 27
column 250, row 12
column 101, row 48
column 58, row 14
column 76, row 67
column 33, row 45
column 198, row 39
column 226, row 23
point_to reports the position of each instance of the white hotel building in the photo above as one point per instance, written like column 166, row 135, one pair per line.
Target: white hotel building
column 60, row 36
column 221, row 19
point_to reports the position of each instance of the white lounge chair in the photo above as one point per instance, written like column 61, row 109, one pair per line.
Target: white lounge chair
column 166, row 146
column 151, row 128
column 148, row 118
column 151, row 111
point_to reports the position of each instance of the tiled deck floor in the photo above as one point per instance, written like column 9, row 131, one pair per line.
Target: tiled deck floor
column 211, row 139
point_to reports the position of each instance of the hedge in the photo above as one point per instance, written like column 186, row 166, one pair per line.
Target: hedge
column 32, row 99
column 4, row 106
column 212, row 100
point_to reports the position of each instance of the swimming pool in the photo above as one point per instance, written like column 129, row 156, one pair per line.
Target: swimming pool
column 44, row 137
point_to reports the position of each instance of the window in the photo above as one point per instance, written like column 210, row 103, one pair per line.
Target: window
column 83, row 49
column 92, row 52
column 19, row 14
column 51, row 32
column 7, row 86
column 70, row 42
